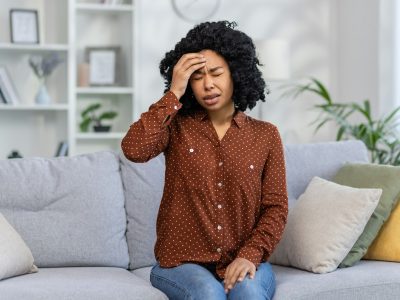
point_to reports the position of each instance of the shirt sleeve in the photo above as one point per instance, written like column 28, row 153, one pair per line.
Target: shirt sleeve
column 274, row 207
column 149, row 136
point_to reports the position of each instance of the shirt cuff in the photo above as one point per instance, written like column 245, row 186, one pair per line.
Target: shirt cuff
column 171, row 101
column 252, row 254
column 172, row 105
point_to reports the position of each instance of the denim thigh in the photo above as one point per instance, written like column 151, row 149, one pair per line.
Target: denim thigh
column 188, row 281
column 261, row 287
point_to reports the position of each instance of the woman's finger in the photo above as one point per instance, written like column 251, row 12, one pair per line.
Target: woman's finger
column 238, row 272
column 242, row 275
column 229, row 281
column 186, row 57
column 193, row 62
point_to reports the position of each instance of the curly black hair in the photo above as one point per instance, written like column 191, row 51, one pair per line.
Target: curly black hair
column 235, row 47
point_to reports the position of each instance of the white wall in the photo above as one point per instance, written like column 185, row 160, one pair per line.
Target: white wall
column 335, row 41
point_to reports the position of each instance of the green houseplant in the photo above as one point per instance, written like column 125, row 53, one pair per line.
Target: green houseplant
column 89, row 116
column 381, row 136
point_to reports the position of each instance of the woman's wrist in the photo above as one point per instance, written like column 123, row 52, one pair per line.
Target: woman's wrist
column 177, row 95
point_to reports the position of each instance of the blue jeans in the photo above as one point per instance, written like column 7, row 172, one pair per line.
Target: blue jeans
column 192, row 281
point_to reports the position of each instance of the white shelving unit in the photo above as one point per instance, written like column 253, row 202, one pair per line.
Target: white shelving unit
column 105, row 90
column 34, row 107
column 32, row 48
column 36, row 130
column 95, row 7
column 97, row 24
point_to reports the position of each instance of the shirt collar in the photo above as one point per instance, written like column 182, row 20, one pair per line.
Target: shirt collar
column 239, row 116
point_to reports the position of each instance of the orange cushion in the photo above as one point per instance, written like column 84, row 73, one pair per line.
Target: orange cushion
column 386, row 245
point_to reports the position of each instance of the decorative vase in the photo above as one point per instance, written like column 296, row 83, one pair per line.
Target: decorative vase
column 42, row 96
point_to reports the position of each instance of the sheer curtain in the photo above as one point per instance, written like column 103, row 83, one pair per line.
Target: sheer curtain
column 389, row 55
column 397, row 54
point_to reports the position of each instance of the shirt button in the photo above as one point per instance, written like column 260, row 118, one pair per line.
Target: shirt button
column 191, row 150
column 251, row 167
column 220, row 163
column 219, row 227
column 219, row 184
column 219, row 206
column 219, row 250
column 175, row 107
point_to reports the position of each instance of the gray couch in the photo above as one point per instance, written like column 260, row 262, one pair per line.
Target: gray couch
column 89, row 221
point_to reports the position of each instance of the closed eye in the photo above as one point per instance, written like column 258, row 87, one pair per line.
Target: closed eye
column 200, row 77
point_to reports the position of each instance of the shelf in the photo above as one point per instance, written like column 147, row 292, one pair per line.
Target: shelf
column 33, row 107
column 100, row 135
column 35, row 47
column 67, row 27
column 93, row 7
column 104, row 90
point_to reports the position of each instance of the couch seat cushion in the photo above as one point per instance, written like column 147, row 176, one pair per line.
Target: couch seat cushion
column 368, row 280
column 143, row 273
column 86, row 283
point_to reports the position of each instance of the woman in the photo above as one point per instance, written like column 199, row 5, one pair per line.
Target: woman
column 224, row 205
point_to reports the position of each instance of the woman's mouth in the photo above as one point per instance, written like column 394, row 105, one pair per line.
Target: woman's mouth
column 211, row 99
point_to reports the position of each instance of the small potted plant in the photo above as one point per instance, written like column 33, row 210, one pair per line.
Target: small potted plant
column 89, row 116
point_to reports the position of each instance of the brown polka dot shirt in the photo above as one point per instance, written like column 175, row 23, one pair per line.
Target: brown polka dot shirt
column 222, row 198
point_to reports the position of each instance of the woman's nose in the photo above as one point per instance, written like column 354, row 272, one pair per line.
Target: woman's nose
column 208, row 82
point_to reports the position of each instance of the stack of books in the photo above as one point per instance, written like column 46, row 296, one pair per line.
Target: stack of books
column 8, row 93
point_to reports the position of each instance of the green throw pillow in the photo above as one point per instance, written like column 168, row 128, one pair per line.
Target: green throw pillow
column 367, row 175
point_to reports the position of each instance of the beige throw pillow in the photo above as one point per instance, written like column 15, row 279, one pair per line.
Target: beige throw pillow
column 324, row 224
column 15, row 256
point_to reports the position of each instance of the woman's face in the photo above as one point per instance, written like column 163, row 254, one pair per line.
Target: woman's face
column 212, row 85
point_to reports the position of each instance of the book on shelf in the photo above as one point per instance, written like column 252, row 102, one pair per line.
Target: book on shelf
column 2, row 98
column 8, row 91
column 62, row 149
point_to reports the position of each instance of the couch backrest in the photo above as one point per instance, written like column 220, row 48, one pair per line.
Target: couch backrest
column 304, row 161
column 68, row 210
column 143, row 187
column 144, row 182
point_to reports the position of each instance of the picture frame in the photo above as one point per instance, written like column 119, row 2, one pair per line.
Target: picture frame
column 24, row 26
column 104, row 64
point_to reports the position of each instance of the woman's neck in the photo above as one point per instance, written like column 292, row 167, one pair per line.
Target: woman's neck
column 222, row 116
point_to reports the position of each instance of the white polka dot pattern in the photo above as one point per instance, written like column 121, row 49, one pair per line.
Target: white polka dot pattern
column 222, row 198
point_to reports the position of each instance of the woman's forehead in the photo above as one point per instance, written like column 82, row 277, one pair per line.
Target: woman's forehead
column 213, row 56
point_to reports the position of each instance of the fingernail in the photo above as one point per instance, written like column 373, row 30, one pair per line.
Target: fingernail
column 226, row 291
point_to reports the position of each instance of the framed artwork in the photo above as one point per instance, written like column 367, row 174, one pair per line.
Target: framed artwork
column 103, row 65
column 24, row 25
